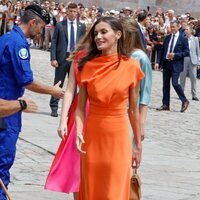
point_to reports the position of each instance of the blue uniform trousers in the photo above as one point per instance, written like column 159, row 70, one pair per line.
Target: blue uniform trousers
column 8, row 140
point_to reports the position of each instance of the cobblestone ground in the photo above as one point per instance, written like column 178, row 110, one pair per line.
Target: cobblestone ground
column 29, row 174
column 170, row 168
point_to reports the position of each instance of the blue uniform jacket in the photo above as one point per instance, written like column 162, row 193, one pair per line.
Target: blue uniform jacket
column 15, row 71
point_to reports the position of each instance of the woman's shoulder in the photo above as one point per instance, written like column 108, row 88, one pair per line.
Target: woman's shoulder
column 130, row 63
column 133, row 70
column 141, row 56
column 80, row 54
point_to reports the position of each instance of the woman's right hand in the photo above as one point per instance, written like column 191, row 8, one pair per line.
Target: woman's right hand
column 62, row 130
column 79, row 142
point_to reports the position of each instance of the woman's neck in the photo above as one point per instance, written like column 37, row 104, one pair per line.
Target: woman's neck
column 111, row 51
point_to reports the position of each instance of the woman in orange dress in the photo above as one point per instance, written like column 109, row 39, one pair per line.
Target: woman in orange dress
column 110, row 80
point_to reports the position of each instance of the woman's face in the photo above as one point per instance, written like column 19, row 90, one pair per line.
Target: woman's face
column 105, row 38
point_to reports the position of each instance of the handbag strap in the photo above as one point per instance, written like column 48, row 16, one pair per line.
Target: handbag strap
column 134, row 170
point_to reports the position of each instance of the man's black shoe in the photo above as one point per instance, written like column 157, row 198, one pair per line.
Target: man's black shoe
column 185, row 106
column 54, row 114
column 163, row 107
column 195, row 99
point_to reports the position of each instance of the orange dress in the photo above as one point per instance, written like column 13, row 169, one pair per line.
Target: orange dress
column 106, row 166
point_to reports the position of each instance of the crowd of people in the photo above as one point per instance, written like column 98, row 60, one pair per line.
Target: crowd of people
column 109, row 56
column 155, row 25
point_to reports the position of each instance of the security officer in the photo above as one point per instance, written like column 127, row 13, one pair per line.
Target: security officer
column 15, row 76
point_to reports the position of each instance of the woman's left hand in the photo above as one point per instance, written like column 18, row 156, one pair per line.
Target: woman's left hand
column 79, row 142
column 136, row 158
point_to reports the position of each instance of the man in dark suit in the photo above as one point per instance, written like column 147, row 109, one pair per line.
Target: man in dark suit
column 175, row 48
column 141, row 17
column 66, row 35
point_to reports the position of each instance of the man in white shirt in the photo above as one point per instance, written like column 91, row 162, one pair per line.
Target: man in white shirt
column 170, row 18
column 175, row 48
column 67, row 33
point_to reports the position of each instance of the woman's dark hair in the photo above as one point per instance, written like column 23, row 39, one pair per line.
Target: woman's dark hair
column 163, row 16
column 82, row 45
column 92, row 48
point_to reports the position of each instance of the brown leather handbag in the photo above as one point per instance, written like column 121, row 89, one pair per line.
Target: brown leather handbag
column 135, row 189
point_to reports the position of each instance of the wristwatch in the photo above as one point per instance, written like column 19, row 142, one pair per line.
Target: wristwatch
column 23, row 104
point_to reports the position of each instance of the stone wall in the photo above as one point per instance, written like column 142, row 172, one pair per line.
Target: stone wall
column 180, row 6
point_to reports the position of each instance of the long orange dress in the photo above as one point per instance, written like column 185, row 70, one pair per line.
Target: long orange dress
column 106, row 166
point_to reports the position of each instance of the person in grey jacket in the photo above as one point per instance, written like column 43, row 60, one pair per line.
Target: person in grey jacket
column 191, row 62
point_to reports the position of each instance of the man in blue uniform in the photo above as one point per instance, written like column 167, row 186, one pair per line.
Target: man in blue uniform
column 15, row 76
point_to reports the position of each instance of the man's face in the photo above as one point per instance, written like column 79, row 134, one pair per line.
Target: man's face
column 28, row 3
column 19, row 5
column 127, row 12
column 72, row 13
column 174, row 28
column 159, row 10
column 63, row 12
column 81, row 10
column 47, row 4
column 53, row 3
column 35, row 28
column 170, row 15
column 183, row 25
column 93, row 8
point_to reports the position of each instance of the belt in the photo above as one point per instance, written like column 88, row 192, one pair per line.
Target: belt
column 167, row 60
column 2, row 124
